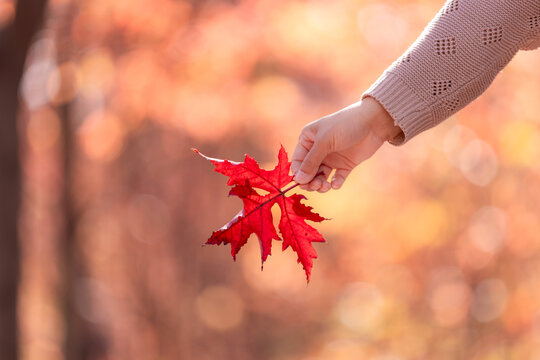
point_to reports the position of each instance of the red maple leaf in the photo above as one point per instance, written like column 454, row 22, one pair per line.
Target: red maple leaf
column 256, row 216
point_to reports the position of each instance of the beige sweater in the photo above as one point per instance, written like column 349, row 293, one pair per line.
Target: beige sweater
column 454, row 60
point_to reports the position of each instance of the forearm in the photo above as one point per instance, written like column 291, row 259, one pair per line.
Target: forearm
column 454, row 60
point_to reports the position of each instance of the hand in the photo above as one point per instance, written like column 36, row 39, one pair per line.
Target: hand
column 340, row 141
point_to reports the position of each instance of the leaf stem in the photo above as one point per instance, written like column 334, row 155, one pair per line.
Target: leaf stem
column 287, row 189
column 297, row 184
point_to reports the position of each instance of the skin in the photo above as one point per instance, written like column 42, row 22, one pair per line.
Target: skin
column 340, row 141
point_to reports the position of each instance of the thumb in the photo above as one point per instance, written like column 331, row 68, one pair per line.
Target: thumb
column 312, row 161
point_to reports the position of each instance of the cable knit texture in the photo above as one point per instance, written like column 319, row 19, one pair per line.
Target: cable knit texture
column 454, row 60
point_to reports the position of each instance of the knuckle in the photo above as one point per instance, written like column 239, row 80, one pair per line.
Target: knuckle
column 324, row 138
column 308, row 129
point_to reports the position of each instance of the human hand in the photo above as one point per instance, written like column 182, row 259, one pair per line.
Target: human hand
column 340, row 141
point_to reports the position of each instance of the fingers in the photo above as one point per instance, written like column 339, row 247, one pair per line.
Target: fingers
column 339, row 178
column 312, row 161
column 300, row 152
column 315, row 144
column 325, row 187
column 320, row 182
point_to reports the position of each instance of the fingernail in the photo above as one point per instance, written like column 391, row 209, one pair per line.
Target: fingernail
column 301, row 177
column 315, row 184
column 336, row 184
column 326, row 186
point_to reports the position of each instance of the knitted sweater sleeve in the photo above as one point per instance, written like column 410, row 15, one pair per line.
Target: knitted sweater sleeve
column 454, row 60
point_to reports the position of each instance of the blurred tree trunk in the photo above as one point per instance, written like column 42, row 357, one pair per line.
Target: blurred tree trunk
column 83, row 340
column 15, row 40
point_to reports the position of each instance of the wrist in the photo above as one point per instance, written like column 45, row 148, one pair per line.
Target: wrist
column 381, row 124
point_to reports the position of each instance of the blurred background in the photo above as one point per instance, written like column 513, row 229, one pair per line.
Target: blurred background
column 433, row 250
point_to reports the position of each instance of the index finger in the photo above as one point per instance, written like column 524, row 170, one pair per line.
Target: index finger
column 299, row 154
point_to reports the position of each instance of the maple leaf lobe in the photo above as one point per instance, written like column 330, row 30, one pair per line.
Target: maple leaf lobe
column 256, row 216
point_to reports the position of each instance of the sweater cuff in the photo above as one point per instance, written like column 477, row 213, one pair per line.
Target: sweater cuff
column 409, row 112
